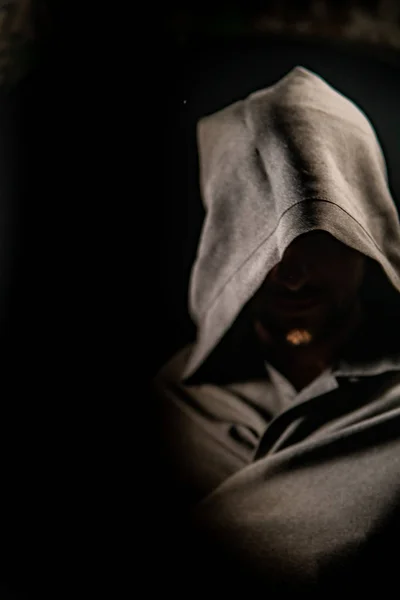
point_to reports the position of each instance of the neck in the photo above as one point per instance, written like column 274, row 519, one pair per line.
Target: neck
column 300, row 367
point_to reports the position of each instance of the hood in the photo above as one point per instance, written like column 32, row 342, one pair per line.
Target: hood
column 292, row 158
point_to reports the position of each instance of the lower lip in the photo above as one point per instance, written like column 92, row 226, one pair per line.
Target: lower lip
column 297, row 305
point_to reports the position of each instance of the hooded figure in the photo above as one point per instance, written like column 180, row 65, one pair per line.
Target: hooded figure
column 280, row 424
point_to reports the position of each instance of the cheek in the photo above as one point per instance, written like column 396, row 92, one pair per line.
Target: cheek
column 355, row 273
column 346, row 281
column 348, row 271
column 257, row 303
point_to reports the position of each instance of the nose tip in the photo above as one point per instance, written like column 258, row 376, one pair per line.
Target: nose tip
column 293, row 277
column 294, row 283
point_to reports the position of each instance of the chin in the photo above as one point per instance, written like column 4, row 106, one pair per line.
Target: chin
column 299, row 337
column 315, row 327
column 300, row 333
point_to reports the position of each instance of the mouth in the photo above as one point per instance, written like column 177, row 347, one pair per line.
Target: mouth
column 296, row 304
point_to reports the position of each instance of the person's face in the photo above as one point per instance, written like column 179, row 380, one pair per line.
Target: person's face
column 311, row 289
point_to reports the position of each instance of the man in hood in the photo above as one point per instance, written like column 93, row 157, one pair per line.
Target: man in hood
column 280, row 424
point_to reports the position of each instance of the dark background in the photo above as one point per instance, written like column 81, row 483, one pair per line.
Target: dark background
column 103, row 214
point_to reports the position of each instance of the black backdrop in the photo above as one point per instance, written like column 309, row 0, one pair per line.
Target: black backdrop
column 101, row 183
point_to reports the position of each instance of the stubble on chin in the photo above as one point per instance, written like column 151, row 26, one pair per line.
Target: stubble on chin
column 330, row 328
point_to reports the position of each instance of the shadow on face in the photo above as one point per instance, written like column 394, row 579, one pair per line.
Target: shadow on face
column 317, row 280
